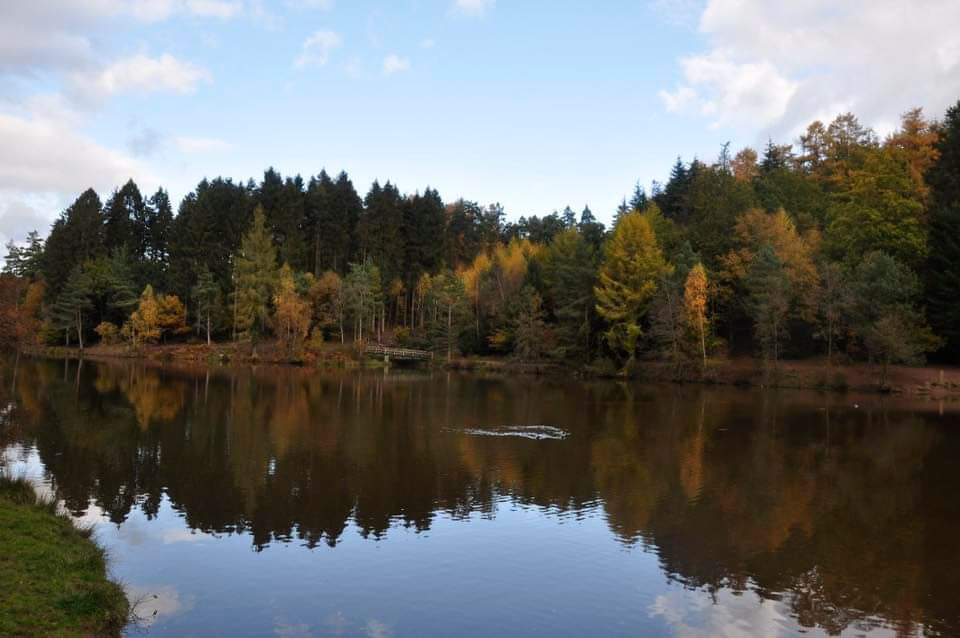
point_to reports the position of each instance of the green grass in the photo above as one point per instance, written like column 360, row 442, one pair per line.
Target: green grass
column 53, row 577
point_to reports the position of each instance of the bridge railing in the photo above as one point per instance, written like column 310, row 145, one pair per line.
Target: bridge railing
column 398, row 353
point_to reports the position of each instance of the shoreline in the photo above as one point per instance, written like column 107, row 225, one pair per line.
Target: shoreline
column 935, row 382
column 56, row 572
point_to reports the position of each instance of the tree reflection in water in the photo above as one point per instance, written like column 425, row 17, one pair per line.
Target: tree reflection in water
column 847, row 515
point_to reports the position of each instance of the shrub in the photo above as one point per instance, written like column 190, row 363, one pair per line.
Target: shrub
column 109, row 332
column 315, row 341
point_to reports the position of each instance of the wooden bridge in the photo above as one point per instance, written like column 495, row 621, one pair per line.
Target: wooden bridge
column 398, row 354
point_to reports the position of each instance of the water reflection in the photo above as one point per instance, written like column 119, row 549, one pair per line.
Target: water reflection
column 763, row 511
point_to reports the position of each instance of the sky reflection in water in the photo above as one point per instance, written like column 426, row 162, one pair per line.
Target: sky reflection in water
column 299, row 503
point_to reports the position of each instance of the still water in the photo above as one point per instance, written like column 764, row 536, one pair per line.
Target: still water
column 288, row 502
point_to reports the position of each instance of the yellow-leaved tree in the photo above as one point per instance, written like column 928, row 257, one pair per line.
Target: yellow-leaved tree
column 144, row 323
column 292, row 317
column 633, row 262
column 695, row 305
column 171, row 315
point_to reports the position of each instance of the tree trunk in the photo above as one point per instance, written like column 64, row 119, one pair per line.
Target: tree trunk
column 80, row 328
column 208, row 328
column 449, row 332
column 703, row 342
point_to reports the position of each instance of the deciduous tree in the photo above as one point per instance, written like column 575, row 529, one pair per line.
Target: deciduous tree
column 633, row 262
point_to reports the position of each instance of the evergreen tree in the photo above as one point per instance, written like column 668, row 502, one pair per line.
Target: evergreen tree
column 206, row 295
column 672, row 200
column 72, row 304
column 638, row 201
column 529, row 327
column 833, row 303
column 590, row 229
column 75, row 237
column 667, row 313
column 569, row 264
column 362, row 294
column 943, row 266
column 159, row 223
column 768, row 301
column 24, row 261
column 207, row 232
column 124, row 221
column 449, row 312
column 884, row 315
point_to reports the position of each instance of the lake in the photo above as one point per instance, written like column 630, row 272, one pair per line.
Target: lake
column 291, row 502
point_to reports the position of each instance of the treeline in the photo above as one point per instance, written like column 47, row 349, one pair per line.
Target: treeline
column 841, row 244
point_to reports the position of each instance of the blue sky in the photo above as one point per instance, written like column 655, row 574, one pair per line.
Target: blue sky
column 532, row 104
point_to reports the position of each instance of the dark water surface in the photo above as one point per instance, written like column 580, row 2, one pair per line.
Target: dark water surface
column 289, row 502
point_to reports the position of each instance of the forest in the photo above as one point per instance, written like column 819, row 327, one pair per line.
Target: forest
column 840, row 245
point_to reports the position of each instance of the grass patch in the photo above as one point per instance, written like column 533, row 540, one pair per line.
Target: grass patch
column 53, row 575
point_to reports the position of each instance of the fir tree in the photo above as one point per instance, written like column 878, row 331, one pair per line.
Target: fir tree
column 206, row 295
column 72, row 304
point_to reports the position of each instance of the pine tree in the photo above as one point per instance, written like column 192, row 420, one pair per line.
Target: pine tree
column 71, row 305
column 668, row 321
column 627, row 281
column 255, row 277
column 529, row 327
column 362, row 292
column 943, row 266
column 638, row 201
column 768, row 301
column 124, row 223
column 449, row 311
column 206, row 295
column 883, row 314
column 569, row 264
column 74, row 238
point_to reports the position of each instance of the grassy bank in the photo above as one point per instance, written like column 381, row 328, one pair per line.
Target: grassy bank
column 53, row 575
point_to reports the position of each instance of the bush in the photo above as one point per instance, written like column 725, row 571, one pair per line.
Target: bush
column 315, row 341
column 402, row 335
column 109, row 332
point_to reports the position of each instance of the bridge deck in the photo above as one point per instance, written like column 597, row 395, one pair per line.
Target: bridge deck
column 399, row 354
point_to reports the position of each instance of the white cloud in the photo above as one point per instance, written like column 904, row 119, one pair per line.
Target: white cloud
column 60, row 34
column 393, row 63
column 214, row 8
column 317, row 48
column 473, row 7
column 201, row 144
column 42, row 155
column 322, row 5
column 777, row 66
column 679, row 99
column 141, row 73
column 18, row 216
column 45, row 163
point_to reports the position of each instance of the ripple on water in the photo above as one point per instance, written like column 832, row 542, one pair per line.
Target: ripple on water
column 536, row 432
